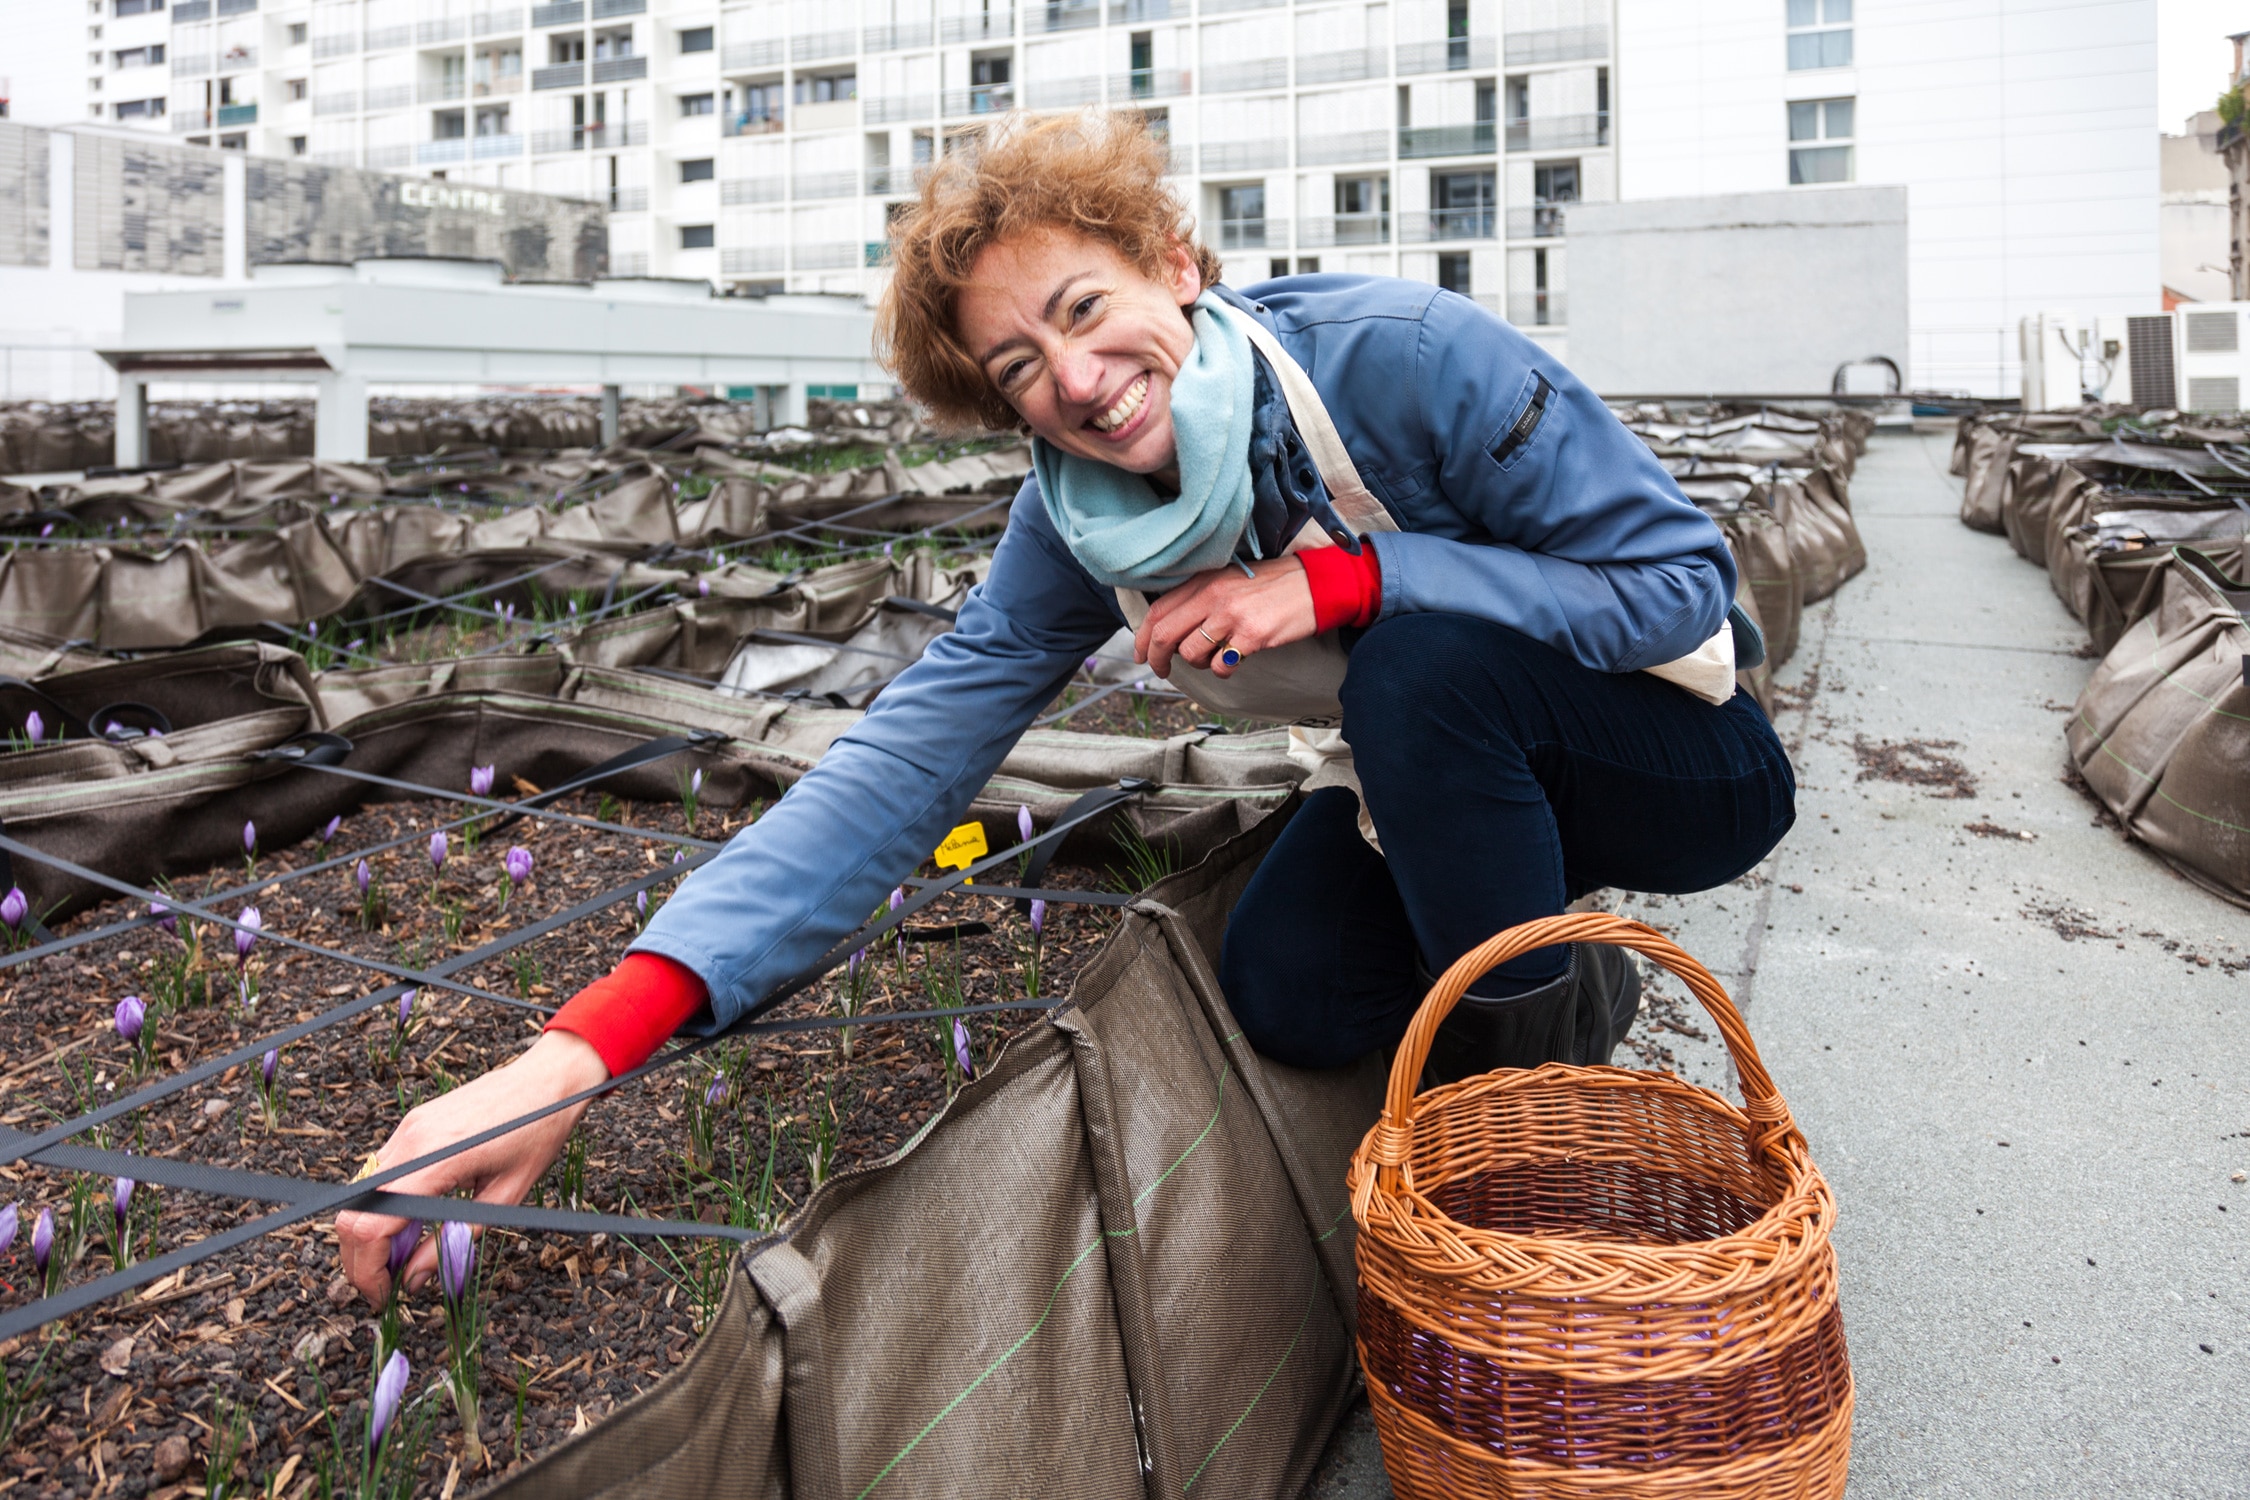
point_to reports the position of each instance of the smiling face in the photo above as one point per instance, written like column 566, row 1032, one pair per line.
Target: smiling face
column 1083, row 343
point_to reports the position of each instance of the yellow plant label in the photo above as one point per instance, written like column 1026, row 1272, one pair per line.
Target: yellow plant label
column 963, row 847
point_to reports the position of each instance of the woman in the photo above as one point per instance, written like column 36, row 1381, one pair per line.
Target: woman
column 1334, row 500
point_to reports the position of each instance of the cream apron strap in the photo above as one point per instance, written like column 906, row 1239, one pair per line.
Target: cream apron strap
column 1359, row 509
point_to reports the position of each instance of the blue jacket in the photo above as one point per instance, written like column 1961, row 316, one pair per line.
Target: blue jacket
column 1519, row 498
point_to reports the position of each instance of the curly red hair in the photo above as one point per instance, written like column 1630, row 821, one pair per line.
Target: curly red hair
column 1101, row 176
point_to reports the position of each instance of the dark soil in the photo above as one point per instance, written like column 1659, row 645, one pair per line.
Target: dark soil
column 1921, row 763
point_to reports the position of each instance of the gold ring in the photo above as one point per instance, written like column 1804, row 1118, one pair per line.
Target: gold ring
column 1216, row 643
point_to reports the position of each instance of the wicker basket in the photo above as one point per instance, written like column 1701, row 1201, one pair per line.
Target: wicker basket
column 1596, row 1281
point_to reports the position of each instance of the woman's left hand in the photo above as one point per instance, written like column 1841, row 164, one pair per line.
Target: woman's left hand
column 1249, row 614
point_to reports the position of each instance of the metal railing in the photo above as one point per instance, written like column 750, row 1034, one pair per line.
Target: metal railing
column 815, row 45
column 829, row 257
column 604, row 9
column 546, row 142
column 629, row 263
column 984, row 99
column 344, row 158
column 184, row 65
column 191, row 10
column 896, row 37
column 1491, row 302
column 1252, row 73
column 1344, row 229
column 1149, row 83
column 390, row 156
column 390, row 96
column 741, row 124
column 335, row 44
column 1541, row 221
column 560, row 13
column 1536, row 309
column 628, row 200
column 441, row 90
column 1066, row 15
column 1244, row 156
column 383, row 38
column 1062, row 93
column 623, row 133
column 1557, row 44
column 497, row 145
column 620, row 69
column 235, row 59
column 1423, row 227
column 191, row 119
column 750, row 260
column 1133, row 12
column 880, row 111
column 1215, row 7
column 443, row 29
column 742, row 56
column 1253, row 234
column 441, row 153
column 496, row 22
column 736, row 191
column 1452, row 55
column 1447, row 140
column 825, row 185
column 1344, row 146
column 892, row 181
column 236, row 7
column 1554, row 132
column 993, row 26
column 558, row 76
column 1342, row 67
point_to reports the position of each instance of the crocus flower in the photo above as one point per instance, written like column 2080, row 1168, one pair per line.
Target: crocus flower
column 123, row 1201
column 14, row 906
column 166, row 918
column 1024, row 829
column 363, row 878
column 695, row 783
column 703, row 588
column 640, row 902
column 249, row 838
column 43, row 1239
column 717, row 1095
column 34, row 727
column 7, row 1228
column 518, row 862
column 437, row 851
column 267, row 1064
column 1038, row 916
column 403, row 1243
column 329, row 831
column 480, row 780
column 390, row 1389
column 130, row 1014
column 246, row 934
column 679, row 856
column 961, row 1050
column 457, row 1258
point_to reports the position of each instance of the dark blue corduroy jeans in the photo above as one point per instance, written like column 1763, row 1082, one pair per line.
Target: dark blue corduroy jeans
column 1504, row 780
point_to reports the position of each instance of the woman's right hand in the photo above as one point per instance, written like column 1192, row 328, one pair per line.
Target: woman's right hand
column 502, row 1170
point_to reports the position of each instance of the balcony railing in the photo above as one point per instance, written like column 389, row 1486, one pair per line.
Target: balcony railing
column 1438, row 224
column 750, row 260
column 604, row 9
column 1133, row 12
column 546, row 142
column 820, row 44
column 231, row 115
column 1541, row 221
column 1239, row 77
column 440, row 90
column 488, row 88
column 896, row 38
column 1344, row 229
column 1535, row 309
column 1149, row 83
column 443, row 29
column 496, row 22
column 628, row 200
column 881, row 111
column 830, row 257
column 184, row 66
column 1349, row 145
column 561, row 13
column 510, row 144
column 1244, row 156
column 741, row 124
column 1559, row 44
column 1452, row 55
column 236, row 7
column 892, row 182
column 1066, row 15
column 336, row 44
column 1253, row 234
column 344, row 158
column 191, row 119
column 558, row 76
column 1554, row 132
column 390, row 96
column 629, row 263
column 383, row 38
column 985, row 26
column 236, row 59
column 825, row 185
column 620, row 69
column 743, row 57
column 1214, row 7
column 1342, row 67
column 985, row 99
column 191, row 10
column 441, row 153
column 384, row 157
column 734, row 192
column 1062, row 93
column 1447, row 140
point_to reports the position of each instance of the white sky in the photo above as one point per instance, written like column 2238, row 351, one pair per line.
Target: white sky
column 2193, row 55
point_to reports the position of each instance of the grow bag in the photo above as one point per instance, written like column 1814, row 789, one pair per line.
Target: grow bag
column 2108, row 567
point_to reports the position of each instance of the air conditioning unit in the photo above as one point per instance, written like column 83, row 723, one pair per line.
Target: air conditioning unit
column 2068, row 360
column 2211, row 357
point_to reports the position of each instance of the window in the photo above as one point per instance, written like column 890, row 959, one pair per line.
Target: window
column 297, row 145
column 1453, row 271
column 448, row 125
column 1278, row 266
column 610, row 45
column 695, row 104
column 138, row 7
column 761, row 102
column 238, row 141
column 140, row 57
column 492, row 120
column 566, row 49
column 1308, row 265
column 1243, row 205
column 297, row 33
column 1461, row 205
column 1553, row 183
column 830, row 88
column 1829, row 122
column 701, row 169
column 1488, row 101
column 1812, row 41
column 296, row 88
column 1142, row 63
column 139, row 109
column 696, row 39
column 1519, row 98
column 696, row 237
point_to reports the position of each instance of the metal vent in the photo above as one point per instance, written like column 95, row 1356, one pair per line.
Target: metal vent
column 2148, row 345
column 2213, row 333
column 2214, row 393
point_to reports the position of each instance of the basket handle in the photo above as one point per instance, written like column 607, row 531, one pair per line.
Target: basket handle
column 1392, row 1138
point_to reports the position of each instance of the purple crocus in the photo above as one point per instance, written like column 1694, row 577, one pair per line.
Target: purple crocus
column 246, row 934
column 14, row 906
column 695, row 783
column 480, row 781
column 437, row 851
column 406, row 1005
column 328, row 832
column 363, row 878
column 402, row 1245
column 7, row 1228
column 267, row 1064
column 1038, row 916
column 166, row 918
column 457, row 1258
column 130, row 1014
column 34, row 727
column 249, row 838
column 390, row 1390
column 961, row 1050
column 717, row 1095
column 640, row 902
column 703, row 588
column 43, row 1239
column 518, row 862
column 123, row 1201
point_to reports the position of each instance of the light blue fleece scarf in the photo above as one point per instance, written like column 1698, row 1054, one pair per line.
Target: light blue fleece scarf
column 1116, row 524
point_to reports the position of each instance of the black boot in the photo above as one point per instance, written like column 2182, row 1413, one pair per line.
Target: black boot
column 1578, row 1018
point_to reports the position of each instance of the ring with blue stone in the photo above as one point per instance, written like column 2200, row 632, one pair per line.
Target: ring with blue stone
column 1229, row 657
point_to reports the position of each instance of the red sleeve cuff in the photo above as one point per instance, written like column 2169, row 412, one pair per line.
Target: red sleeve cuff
column 1346, row 590
column 628, row 1014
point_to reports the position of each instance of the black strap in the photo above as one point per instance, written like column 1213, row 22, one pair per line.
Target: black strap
column 1098, row 800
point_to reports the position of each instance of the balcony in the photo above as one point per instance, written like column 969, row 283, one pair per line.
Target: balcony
column 236, row 59
column 335, row 104
column 740, row 124
column 745, row 57
column 383, row 38
column 441, row 153
column 892, row 182
column 490, row 88
column 620, row 69
column 1149, row 83
column 496, row 22
column 1541, row 221
column 191, row 10
column 1535, row 309
column 1215, row 7
column 881, row 111
column 548, row 142
column 831, row 257
column 561, row 13
column 191, row 119
column 444, row 29
column 488, row 146
column 604, row 9
column 1555, row 132
column 1558, row 44
column 1133, row 12
column 383, row 158
column 1447, row 140
column 819, row 44
column 558, row 76
column 1344, row 229
column 627, row 200
column 236, row 7
column 1062, row 93
column 1241, row 77
column 344, row 158
column 896, row 38
column 1344, row 146
column 1343, row 67
column 232, row 115
column 610, row 137
column 1441, row 224
column 186, row 67
column 440, row 90
column 751, row 260
column 1244, row 156
column 1068, row 15
column 825, row 185
column 336, row 44
column 734, row 192
column 1253, row 234
column 986, row 99
column 390, row 96
column 993, row 26
column 1458, row 54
